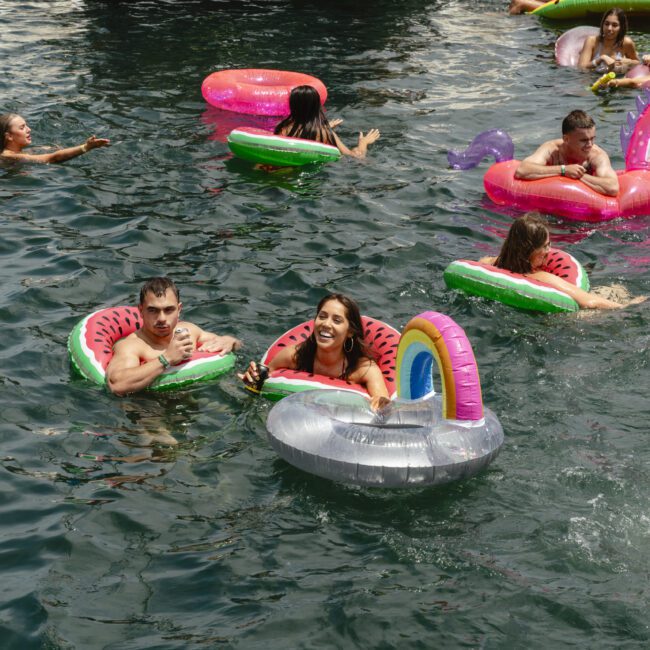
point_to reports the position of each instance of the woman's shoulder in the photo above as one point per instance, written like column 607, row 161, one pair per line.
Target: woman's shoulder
column 25, row 157
column 545, row 276
column 488, row 260
column 327, row 135
column 361, row 369
column 628, row 45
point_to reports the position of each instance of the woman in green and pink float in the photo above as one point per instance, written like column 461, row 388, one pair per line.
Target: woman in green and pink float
column 305, row 136
column 529, row 274
column 308, row 122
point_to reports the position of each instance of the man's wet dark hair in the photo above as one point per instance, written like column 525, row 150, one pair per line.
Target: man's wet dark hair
column 577, row 120
column 158, row 286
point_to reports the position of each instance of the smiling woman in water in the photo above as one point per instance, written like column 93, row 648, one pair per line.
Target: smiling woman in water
column 16, row 136
column 335, row 348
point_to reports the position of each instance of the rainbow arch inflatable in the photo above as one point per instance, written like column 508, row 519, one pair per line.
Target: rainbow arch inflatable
column 422, row 438
column 432, row 336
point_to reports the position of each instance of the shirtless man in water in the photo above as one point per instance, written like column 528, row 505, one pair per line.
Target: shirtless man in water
column 142, row 356
column 574, row 155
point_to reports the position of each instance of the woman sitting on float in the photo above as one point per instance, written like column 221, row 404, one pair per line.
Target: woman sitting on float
column 524, row 251
column 335, row 348
column 307, row 121
column 15, row 136
column 611, row 50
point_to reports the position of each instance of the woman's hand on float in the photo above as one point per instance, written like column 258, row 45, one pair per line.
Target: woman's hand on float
column 334, row 123
column 379, row 402
column 369, row 138
column 645, row 59
column 180, row 348
column 94, row 142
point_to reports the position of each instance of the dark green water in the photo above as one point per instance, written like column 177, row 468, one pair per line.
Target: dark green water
column 216, row 541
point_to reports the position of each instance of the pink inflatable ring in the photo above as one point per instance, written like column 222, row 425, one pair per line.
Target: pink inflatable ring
column 639, row 71
column 569, row 45
column 256, row 91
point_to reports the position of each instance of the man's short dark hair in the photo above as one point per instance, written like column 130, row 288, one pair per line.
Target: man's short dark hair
column 158, row 286
column 577, row 120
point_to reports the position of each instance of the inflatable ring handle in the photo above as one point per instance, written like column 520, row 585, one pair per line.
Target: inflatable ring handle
column 429, row 336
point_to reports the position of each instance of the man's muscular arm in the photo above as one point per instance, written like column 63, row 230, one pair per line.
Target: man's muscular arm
column 125, row 374
column 210, row 342
column 536, row 165
column 604, row 180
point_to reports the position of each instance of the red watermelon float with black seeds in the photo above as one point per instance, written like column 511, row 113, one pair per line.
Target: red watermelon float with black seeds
column 90, row 346
column 518, row 290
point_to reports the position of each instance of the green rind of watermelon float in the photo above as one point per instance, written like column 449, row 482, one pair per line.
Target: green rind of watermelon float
column 91, row 341
column 517, row 290
column 264, row 147
column 569, row 9
column 381, row 339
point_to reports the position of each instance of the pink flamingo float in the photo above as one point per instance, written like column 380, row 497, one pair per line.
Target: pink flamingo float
column 562, row 196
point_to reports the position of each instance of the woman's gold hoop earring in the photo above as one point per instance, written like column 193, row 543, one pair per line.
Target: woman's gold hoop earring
column 351, row 339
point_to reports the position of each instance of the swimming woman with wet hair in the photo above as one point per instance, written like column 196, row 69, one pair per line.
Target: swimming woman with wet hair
column 524, row 251
column 16, row 136
column 307, row 120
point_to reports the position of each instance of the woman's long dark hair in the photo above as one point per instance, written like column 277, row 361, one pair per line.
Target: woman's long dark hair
column 306, row 351
column 622, row 19
column 525, row 235
column 306, row 119
column 5, row 124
